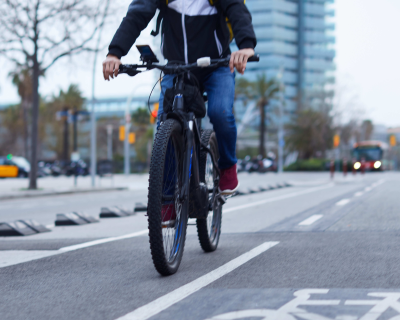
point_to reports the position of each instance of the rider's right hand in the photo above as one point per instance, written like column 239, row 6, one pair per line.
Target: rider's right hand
column 111, row 67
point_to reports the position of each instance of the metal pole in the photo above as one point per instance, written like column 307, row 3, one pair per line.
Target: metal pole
column 109, row 141
column 92, row 114
column 281, row 141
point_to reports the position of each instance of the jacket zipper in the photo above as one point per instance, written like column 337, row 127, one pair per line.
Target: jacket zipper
column 219, row 45
column 184, row 32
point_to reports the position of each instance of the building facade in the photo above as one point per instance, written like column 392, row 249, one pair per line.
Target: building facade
column 296, row 38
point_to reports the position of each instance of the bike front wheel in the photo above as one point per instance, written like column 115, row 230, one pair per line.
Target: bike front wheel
column 167, row 213
column 209, row 230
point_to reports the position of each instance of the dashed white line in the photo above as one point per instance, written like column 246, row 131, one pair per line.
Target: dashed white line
column 358, row 194
column 343, row 202
column 283, row 197
column 151, row 309
column 367, row 189
column 311, row 220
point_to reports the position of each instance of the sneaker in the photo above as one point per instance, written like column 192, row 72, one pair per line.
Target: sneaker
column 168, row 215
column 228, row 183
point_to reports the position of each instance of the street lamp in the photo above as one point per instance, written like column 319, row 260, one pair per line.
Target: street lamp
column 281, row 141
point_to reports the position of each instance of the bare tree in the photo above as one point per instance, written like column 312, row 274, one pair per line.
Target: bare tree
column 35, row 34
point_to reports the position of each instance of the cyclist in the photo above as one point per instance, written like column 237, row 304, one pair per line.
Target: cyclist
column 193, row 29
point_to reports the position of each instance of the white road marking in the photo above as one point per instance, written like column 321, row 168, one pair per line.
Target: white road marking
column 13, row 257
column 358, row 194
column 283, row 197
column 101, row 241
column 166, row 301
column 343, row 202
column 50, row 226
column 367, row 189
column 311, row 220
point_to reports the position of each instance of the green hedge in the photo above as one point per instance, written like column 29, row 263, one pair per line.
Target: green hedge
column 307, row 165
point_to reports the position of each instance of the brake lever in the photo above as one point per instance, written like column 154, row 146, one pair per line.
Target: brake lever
column 128, row 70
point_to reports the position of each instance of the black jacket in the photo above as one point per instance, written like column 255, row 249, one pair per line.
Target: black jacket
column 191, row 29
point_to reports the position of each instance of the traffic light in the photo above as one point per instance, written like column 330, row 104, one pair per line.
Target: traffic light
column 392, row 140
column 154, row 113
column 132, row 138
column 336, row 140
column 121, row 133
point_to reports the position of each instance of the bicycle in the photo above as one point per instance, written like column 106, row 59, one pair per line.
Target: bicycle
column 183, row 170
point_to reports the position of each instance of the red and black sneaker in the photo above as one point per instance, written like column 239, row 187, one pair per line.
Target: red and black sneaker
column 228, row 182
column 168, row 215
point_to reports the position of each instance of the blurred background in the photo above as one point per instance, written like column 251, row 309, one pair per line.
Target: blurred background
column 324, row 93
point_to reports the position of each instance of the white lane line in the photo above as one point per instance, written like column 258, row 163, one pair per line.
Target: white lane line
column 101, row 241
column 343, row 202
column 10, row 258
column 311, row 220
column 164, row 302
column 358, row 194
column 283, row 197
column 367, row 189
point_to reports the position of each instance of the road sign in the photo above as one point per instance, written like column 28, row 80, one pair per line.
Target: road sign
column 392, row 140
column 132, row 138
column 75, row 156
column 336, row 140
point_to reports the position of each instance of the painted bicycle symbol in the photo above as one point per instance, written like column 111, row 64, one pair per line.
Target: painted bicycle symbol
column 291, row 310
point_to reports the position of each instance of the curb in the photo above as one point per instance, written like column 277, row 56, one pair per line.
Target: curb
column 244, row 192
column 57, row 193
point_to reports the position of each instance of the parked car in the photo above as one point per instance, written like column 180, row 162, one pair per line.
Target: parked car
column 13, row 167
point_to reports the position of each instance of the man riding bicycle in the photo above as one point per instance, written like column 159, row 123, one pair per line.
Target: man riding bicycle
column 192, row 29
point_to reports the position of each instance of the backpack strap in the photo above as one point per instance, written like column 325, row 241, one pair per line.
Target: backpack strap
column 161, row 6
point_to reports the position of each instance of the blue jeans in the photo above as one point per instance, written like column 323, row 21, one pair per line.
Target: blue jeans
column 220, row 88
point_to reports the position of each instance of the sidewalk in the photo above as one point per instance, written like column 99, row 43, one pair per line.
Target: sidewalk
column 17, row 188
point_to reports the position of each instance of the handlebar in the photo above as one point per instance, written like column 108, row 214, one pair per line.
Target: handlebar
column 171, row 68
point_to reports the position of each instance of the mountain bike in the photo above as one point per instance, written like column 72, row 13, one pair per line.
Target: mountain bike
column 184, row 173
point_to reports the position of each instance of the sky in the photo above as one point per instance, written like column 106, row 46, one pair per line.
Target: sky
column 367, row 64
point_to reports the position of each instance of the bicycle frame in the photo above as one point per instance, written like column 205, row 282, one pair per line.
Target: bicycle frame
column 193, row 146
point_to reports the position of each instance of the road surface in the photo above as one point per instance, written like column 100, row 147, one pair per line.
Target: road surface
column 315, row 250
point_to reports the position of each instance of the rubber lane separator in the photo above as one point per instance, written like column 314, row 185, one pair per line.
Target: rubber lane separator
column 343, row 202
column 283, row 197
column 311, row 220
column 151, row 309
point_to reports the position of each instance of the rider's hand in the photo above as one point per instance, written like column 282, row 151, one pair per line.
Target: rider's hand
column 111, row 67
column 239, row 60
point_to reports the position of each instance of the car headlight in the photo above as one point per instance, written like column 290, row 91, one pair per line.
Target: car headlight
column 377, row 164
column 357, row 165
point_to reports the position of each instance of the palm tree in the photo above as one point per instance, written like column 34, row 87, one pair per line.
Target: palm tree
column 262, row 90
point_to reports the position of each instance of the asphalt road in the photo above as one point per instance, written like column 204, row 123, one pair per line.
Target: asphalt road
column 316, row 250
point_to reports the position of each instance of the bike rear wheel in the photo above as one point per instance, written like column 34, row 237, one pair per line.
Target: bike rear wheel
column 209, row 230
column 167, row 233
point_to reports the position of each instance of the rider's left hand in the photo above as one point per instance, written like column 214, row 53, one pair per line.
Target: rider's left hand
column 239, row 60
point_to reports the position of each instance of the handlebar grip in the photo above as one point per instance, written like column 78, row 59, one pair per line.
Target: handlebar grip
column 255, row 58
